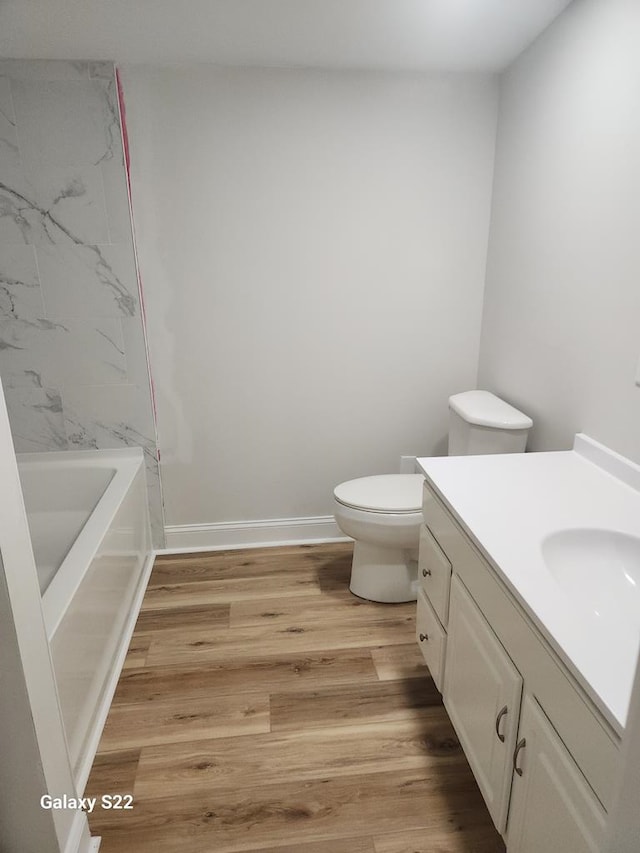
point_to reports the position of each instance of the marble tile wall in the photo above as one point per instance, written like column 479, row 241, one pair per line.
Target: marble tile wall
column 72, row 353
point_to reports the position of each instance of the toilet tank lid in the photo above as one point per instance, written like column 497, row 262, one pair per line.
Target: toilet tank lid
column 485, row 409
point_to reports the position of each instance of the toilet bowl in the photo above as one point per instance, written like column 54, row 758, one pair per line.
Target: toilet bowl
column 383, row 514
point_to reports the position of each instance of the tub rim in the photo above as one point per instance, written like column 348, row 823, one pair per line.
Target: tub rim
column 126, row 462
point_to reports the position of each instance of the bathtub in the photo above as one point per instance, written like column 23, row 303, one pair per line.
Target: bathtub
column 89, row 524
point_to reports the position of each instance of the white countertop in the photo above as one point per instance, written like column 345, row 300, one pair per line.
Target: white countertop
column 509, row 503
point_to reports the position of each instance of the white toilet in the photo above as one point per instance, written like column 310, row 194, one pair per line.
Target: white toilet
column 384, row 513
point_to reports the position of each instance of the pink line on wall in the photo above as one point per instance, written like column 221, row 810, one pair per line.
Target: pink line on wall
column 123, row 128
column 127, row 166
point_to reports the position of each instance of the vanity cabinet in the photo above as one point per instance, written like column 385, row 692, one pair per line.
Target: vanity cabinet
column 543, row 756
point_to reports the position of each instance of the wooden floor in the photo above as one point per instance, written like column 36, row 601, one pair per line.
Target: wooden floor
column 264, row 707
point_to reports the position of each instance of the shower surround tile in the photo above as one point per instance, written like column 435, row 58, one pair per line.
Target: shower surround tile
column 65, row 122
column 115, row 416
column 107, row 416
column 50, row 205
column 104, row 70
column 88, row 281
column 116, row 194
column 8, row 137
column 73, row 359
column 154, row 492
column 136, row 355
column 66, row 351
column 20, row 292
column 45, row 69
column 16, row 208
column 37, row 423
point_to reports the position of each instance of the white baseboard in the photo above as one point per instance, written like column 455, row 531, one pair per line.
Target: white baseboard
column 182, row 538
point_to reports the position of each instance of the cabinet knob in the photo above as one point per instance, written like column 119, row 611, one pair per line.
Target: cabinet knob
column 502, row 713
column 426, row 572
column 423, row 637
column 521, row 745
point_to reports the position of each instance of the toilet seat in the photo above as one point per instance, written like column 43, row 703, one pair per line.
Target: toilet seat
column 383, row 514
column 392, row 494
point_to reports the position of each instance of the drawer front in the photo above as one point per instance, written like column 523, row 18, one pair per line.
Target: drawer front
column 434, row 574
column 431, row 638
column 439, row 522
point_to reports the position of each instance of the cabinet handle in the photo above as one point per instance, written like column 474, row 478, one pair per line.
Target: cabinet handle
column 426, row 572
column 502, row 713
column 521, row 745
column 423, row 637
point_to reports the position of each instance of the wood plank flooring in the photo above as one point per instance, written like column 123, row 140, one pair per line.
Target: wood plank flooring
column 265, row 709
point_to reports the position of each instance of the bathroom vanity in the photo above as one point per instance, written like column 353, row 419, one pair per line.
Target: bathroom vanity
column 528, row 618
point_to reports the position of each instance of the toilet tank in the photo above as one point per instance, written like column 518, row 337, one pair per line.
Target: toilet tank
column 480, row 422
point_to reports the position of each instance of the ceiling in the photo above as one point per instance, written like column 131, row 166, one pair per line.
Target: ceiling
column 452, row 35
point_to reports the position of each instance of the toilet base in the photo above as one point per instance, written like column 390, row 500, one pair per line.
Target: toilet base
column 388, row 575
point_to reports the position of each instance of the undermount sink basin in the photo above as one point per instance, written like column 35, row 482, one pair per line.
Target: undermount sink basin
column 599, row 570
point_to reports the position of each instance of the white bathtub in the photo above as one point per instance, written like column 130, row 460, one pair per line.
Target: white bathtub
column 91, row 539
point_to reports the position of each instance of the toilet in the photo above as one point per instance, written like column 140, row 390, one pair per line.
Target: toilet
column 383, row 513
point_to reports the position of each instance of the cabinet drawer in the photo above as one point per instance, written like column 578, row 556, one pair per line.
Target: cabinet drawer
column 439, row 522
column 434, row 573
column 431, row 639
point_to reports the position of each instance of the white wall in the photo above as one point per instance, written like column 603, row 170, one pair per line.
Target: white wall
column 561, row 327
column 312, row 247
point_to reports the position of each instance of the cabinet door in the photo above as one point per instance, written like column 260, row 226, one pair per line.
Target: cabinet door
column 552, row 807
column 482, row 692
